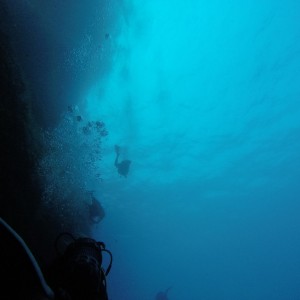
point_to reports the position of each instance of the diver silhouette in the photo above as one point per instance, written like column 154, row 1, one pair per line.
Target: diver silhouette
column 163, row 295
column 123, row 166
column 96, row 211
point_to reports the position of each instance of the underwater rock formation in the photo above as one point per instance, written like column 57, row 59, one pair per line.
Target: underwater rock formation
column 19, row 192
column 23, row 147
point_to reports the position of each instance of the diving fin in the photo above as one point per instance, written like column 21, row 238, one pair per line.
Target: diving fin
column 117, row 149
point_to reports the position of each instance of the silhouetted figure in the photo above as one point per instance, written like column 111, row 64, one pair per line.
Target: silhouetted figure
column 123, row 166
column 96, row 211
column 163, row 295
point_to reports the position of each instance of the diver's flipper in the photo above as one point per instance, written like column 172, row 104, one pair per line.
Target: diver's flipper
column 117, row 149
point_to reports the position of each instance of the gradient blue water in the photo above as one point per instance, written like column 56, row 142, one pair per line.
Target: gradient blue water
column 204, row 98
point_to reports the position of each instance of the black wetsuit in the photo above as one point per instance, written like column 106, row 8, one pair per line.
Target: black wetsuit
column 123, row 166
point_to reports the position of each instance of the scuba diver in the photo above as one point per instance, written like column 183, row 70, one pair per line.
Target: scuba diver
column 77, row 273
column 163, row 295
column 96, row 211
column 123, row 166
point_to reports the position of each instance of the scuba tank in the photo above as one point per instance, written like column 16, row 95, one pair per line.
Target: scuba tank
column 78, row 274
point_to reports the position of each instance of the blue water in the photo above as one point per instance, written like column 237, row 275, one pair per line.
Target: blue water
column 204, row 98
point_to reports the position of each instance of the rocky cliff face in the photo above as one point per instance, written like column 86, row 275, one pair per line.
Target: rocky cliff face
column 20, row 150
column 19, row 193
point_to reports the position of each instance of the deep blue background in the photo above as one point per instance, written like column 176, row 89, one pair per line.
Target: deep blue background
column 204, row 98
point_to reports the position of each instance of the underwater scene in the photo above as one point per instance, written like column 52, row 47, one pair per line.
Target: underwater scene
column 168, row 130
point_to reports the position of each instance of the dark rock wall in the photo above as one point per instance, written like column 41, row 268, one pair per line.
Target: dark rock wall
column 20, row 150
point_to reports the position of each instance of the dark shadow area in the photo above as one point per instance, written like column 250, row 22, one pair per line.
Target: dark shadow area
column 62, row 48
column 20, row 150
